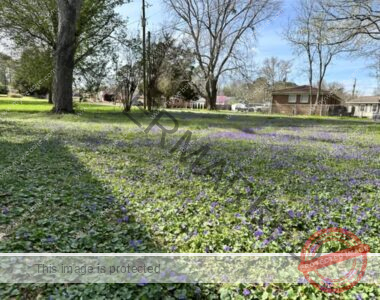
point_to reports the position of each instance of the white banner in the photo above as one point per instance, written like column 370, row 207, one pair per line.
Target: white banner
column 177, row 268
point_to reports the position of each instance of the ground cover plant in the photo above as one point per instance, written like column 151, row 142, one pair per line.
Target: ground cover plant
column 95, row 182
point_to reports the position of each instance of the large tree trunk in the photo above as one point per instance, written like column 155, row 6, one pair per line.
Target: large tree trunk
column 68, row 13
column 212, row 93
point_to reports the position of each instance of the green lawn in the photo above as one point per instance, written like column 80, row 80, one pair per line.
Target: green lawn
column 97, row 183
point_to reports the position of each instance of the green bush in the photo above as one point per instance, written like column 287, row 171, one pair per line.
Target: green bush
column 3, row 89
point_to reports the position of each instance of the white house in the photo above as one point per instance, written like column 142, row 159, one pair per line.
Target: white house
column 366, row 106
column 199, row 104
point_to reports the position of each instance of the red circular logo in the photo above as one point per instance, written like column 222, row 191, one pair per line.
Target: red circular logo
column 352, row 258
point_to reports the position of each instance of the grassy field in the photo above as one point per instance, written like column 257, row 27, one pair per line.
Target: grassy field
column 99, row 183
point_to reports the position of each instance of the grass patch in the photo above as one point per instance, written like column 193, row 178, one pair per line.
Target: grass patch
column 94, row 182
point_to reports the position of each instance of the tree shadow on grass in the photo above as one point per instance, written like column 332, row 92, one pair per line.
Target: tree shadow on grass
column 50, row 202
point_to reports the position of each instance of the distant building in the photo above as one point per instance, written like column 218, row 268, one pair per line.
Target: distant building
column 367, row 106
column 222, row 100
column 296, row 101
column 177, row 102
column 199, row 104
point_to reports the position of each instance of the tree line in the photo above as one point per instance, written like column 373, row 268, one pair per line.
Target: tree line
column 79, row 38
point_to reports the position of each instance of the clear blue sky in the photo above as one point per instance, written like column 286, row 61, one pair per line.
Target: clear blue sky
column 269, row 43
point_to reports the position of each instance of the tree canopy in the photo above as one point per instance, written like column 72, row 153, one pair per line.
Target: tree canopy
column 35, row 23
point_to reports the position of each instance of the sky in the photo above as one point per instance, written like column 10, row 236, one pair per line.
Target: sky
column 269, row 43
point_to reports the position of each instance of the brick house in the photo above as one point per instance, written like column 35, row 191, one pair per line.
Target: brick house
column 296, row 101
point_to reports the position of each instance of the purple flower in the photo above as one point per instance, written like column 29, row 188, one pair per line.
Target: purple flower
column 123, row 209
column 207, row 249
column 227, row 248
column 50, row 239
column 135, row 243
column 302, row 280
column 328, row 282
column 279, row 230
column 110, row 199
column 312, row 214
column 173, row 248
column 246, row 292
column 143, row 281
column 182, row 278
column 5, row 211
column 359, row 297
column 214, row 204
column 265, row 243
column 291, row 214
column 125, row 219
column 258, row 233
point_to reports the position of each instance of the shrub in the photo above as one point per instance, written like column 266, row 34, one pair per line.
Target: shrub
column 3, row 89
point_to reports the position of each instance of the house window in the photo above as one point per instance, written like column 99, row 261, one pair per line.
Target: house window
column 305, row 99
column 292, row 99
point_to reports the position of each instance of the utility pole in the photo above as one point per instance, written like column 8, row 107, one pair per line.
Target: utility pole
column 149, row 96
column 354, row 89
column 378, row 77
column 144, row 50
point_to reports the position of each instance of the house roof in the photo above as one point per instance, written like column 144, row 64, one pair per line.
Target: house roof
column 302, row 89
column 221, row 99
column 365, row 100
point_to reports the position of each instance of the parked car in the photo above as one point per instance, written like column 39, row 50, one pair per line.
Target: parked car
column 341, row 111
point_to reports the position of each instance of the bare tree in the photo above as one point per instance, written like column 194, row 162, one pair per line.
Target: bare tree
column 216, row 28
column 353, row 17
column 356, row 20
column 130, row 75
column 299, row 34
column 310, row 33
column 275, row 70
